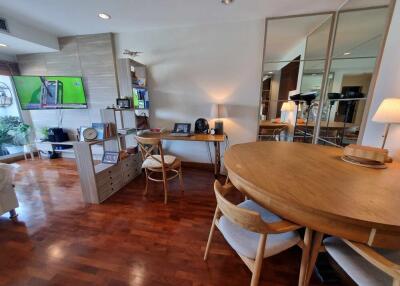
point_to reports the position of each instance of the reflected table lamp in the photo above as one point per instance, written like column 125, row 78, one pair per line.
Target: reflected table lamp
column 218, row 111
column 389, row 113
column 286, row 108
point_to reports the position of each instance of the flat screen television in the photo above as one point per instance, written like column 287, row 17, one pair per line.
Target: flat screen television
column 50, row 92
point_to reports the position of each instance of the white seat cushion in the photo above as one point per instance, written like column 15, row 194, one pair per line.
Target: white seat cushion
column 358, row 268
column 245, row 242
column 150, row 162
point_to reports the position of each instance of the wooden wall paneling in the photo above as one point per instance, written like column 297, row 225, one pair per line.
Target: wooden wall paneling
column 89, row 56
column 289, row 77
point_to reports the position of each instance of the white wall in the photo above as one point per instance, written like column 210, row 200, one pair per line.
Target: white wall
column 190, row 68
column 387, row 86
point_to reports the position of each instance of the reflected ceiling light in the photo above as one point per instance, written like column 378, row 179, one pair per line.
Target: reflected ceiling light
column 226, row 2
column 347, row 53
column 104, row 16
column 3, row 45
column 270, row 72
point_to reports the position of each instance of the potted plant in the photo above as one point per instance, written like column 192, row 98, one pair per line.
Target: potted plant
column 21, row 134
column 8, row 124
column 44, row 133
column 14, row 134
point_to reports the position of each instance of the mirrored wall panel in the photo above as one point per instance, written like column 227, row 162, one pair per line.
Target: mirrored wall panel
column 295, row 54
column 357, row 44
column 299, row 93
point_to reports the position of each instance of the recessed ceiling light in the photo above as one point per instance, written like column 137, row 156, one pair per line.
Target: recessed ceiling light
column 3, row 45
column 226, row 2
column 104, row 16
column 347, row 53
column 271, row 72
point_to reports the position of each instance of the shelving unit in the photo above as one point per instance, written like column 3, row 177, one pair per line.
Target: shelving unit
column 132, row 76
column 98, row 180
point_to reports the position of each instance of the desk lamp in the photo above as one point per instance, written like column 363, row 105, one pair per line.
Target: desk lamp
column 218, row 111
column 332, row 97
column 295, row 97
column 308, row 98
column 389, row 113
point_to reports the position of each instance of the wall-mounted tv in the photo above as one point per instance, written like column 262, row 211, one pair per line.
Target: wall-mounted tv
column 50, row 92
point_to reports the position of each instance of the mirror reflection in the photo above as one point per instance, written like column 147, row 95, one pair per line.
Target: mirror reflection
column 295, row 76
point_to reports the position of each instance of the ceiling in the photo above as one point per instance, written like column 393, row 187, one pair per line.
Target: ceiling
column 18, row 46
column 77, row 17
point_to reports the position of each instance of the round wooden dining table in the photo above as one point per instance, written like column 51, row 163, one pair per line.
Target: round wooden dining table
column 311, row 186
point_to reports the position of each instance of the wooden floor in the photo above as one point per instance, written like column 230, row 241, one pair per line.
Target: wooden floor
column 128, row 240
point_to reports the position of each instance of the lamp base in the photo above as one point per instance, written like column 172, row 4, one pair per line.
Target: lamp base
column 219, row 127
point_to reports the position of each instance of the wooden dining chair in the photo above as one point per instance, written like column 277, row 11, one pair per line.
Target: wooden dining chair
column 252, row 231
column 365, row 265
column 169, row 167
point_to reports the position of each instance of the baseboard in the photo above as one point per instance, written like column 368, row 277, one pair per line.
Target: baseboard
column 197, row 165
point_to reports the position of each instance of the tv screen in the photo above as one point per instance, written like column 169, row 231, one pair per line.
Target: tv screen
column 50, row 92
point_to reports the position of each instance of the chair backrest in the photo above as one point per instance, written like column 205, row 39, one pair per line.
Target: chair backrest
column 147, row 145
column 247, row 219
column 376, row 259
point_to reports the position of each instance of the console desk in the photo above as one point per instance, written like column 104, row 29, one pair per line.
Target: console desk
column 216, row 139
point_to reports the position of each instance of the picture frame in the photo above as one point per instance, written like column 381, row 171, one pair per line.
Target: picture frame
column 124, row 103
column 101, row 130
column 110, row 157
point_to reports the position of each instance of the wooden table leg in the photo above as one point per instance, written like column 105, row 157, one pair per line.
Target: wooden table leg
column 315, row 247
column 217, row 165
column 305, row 256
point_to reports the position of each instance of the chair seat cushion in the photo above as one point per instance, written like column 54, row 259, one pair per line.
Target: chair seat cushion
column 245, row 242
column 358, row 268
column 152, row 163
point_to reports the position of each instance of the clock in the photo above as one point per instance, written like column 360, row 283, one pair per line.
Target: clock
column 89, row 134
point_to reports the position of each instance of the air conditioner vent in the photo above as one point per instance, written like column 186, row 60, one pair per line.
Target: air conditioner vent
column 3, row 25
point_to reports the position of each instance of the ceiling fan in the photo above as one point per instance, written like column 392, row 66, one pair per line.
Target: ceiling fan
column 132, row 53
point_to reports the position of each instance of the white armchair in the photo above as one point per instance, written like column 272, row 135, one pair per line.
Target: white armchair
column 8, row 199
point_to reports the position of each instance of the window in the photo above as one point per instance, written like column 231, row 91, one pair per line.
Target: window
column 13, row 132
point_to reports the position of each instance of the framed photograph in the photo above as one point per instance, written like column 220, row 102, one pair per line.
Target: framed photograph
column 101, row 130
column 110, row 157
column 124, row 103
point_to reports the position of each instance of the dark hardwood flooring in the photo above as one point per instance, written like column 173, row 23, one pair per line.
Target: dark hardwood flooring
column 128, row 240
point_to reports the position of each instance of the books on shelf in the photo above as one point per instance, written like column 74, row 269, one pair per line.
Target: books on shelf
column 140, row 98
column 139, row 82
column 104, row 130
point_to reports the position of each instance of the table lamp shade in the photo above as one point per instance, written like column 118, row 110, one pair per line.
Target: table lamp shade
column 288, row 106
column 388, row 111
column 218, row 111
